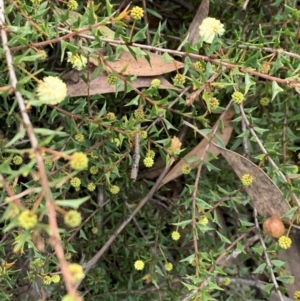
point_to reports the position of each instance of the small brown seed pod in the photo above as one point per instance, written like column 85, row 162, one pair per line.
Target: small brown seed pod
column 274, row 227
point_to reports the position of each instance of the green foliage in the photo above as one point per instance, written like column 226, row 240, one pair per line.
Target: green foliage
column 84, row 141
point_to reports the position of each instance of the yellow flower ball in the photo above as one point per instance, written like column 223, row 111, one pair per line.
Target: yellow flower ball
column 17, row 160
column 148, row 161
column 168, row 266
column 79, row 137
column 75, row 182
column 155, row 83
column 284, row 242
column 114, row 189
column 297, row 296
column 175, row 235
column 72, row 5
column 247, row 179
column 151, row 154
column 137, row 13
column 47, row 280
column 238, row 97
column 28, row 219
column 179, row 79
column 72, row 218
column 79, row 161
column 51, row 90
column 91, row 186
column 139, row 265
column 55, row 278
column 186, row 169
column 76, row 272
column 78, row 61
column 203, row 220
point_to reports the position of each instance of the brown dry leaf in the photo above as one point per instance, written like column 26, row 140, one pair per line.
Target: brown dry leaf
column 266, row 196
column 100, row 86
column 128, row 65
column 198, row 151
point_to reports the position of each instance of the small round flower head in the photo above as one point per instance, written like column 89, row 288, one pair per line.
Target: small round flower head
column 17, row 160
column 79, row 161
column 76, row 272
column 51, row 90
column 150, row 153
column 55, row 278
column 186, row 169
column 203, row 220
column 72, row 5
column 247, row 179
column 72, row 218
column 79, row 137
column 179, row 79
column 137, row 13
column 155, row 83
column 139, row 265
column 28, row 219
column 111, row 79
column 12, row 210
column 77, row 60
column 209, row 28
column 75, row 182
column 91, row 186
column 139, row 114
column 114, row 189
column 148, row 162
column 47, row 280
column 297, row 296
column 226, row 281
column 295, row 169
column 94, row 170
column 116, row 141
column 168, row 266
column 43, row 54
column 68, row 256
column 284, row 242
column 199, row 67
column 265, row 67
column 143, row 134
column 37, row 263
column 175, row 235
column 213, row 103
column 265, row 101
column 95, row 230
column 110, row 116
column 49, row 162
column 237, row 97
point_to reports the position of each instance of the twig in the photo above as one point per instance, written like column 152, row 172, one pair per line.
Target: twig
column 146, row 22
column 55, row 239
column 136, row 156
column 274, row 280
column 245, row 140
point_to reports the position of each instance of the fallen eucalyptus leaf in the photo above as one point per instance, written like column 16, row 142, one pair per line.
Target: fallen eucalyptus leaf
column 266, row 196
column 100, row 86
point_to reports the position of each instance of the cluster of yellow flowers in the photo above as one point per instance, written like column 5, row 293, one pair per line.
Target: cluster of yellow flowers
column 47, row 280
column 247, row 179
